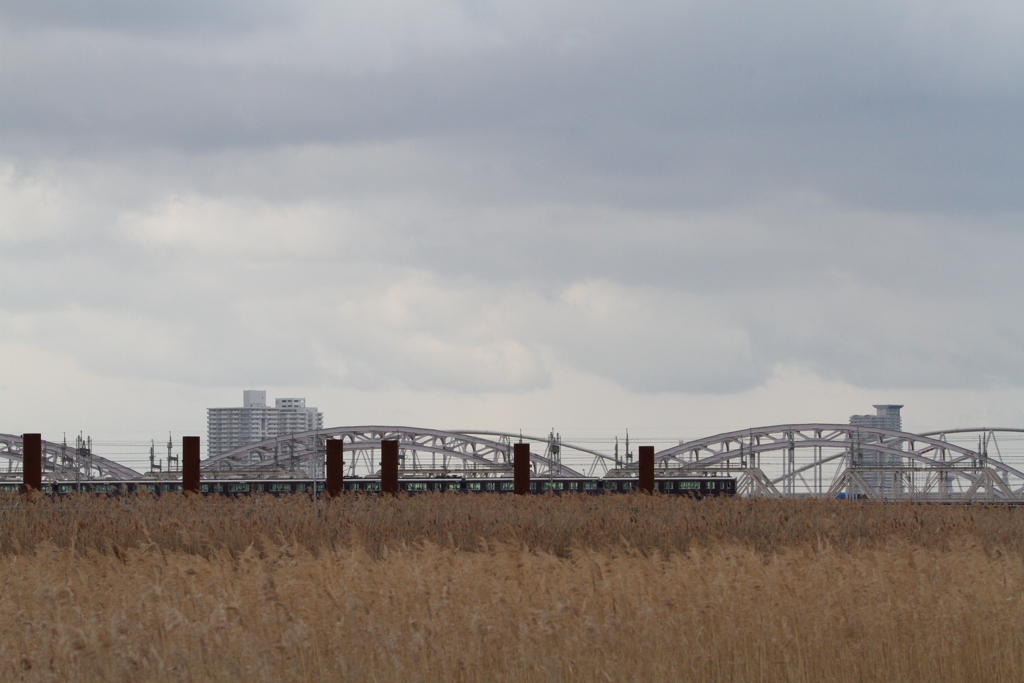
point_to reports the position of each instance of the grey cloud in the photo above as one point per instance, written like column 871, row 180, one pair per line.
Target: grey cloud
column 748, row 184
column 700, row 104
column 214, row 16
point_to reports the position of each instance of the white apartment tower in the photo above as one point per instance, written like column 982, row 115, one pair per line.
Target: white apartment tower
column 887, row 416
column 228, row 428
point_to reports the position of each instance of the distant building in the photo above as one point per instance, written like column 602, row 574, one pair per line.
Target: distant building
column 886, row 416
column 229, row 428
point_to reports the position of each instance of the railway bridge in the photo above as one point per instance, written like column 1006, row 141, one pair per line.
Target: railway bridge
column 62, row 462
column 787, row 460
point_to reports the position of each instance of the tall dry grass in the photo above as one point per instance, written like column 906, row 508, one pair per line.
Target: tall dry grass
column 466, row 588
column 472, row 522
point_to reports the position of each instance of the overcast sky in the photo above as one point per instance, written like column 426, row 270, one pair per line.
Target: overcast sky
column 677, row 217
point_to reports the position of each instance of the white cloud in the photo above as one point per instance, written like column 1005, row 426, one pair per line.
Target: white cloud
column 237, row 228
column 509, row 202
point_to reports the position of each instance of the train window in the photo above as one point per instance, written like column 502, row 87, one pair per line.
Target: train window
column 573, row 485
column 238, row 488
column 455, row 487
column 280, row 487
column 66, row 488
column 490, row 486
column 473, row 485
column 689, row 484
column 103, row 488
column 609, row 485
column 10, row 488
column 204, row 488
column 590, row 485
column 373, row 486
column 320, row 486
column 416, row 486
column 508, row 486
column 552, row 486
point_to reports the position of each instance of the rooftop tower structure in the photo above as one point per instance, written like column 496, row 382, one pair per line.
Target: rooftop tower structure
column 887, row 416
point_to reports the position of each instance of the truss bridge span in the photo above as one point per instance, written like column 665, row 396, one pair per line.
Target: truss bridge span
column 421, row 452
column 823, row 459
column 61, row 462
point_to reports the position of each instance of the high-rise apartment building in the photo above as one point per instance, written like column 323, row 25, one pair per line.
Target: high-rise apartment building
column 886, row 416
column 228, row 428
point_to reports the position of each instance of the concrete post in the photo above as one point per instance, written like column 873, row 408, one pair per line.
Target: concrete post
column 389, row 466
column 335, row 467
column 32, row 462
column 521, row 468
column 646, row 460
column 190, row 464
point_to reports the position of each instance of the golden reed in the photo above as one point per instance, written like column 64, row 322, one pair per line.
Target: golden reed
column 468, row 588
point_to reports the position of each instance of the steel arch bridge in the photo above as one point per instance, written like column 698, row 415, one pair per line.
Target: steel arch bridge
column 423, row 451
column 61, row 462
column 986, row 439
column 822, row 459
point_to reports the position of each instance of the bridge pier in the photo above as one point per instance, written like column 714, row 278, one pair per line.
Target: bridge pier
column 335, row 467
column 190, row 464
column 32, row 462
column 521, row 468
column 646, row 462
column 389, row 466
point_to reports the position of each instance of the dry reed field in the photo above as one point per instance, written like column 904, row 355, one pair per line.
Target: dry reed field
column 464, row 588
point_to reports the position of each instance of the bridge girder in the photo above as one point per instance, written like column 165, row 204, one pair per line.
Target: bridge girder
column 62, row 462
column 305, row 450
column 836, row 444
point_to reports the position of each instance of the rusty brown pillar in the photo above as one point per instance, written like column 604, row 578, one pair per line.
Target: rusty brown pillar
column 190, row 464
column 389, row 466
column 335, row 467
column 646, row 461
column 32, row 462
column 521, row 468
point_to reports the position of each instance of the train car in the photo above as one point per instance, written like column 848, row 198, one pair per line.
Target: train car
column 274, row 487
column 559, row 485
column 497, row 485
column 410, row 485
column 698, row 487
column 695, row 487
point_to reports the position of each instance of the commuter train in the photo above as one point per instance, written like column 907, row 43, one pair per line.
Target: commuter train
column 695, row 487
